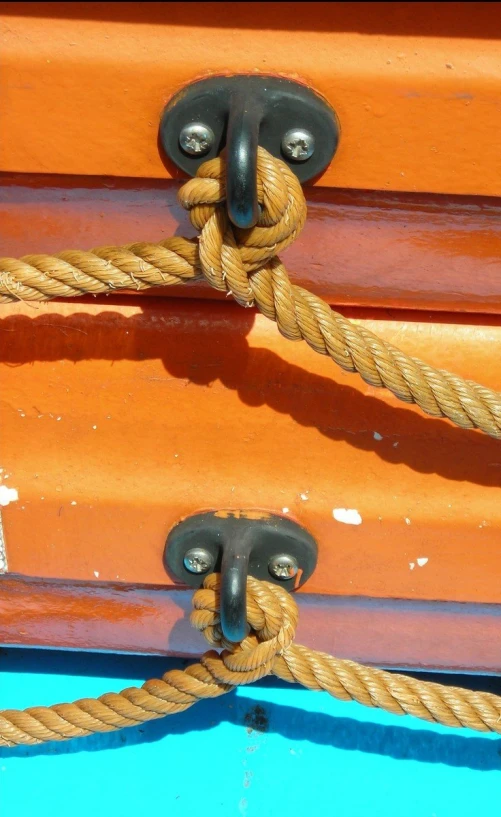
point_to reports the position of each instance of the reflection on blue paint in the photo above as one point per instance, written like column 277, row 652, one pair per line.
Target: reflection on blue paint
column 265, row 750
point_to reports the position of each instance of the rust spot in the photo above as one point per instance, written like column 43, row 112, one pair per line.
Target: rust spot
column 256, row 720
column 242, row 514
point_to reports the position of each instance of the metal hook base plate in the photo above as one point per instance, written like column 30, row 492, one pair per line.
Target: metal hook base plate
column 236, row 544
column 280, row 105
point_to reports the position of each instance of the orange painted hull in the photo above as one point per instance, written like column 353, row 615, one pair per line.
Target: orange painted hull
column 417, row 93
column 123, row 414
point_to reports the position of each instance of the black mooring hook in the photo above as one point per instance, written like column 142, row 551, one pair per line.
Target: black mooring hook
column 238, row 544
column 241, row 112
column 234, row 572
column 242, row 140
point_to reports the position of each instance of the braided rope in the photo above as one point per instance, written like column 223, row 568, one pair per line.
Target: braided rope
column 268, row 649
column 244, row 263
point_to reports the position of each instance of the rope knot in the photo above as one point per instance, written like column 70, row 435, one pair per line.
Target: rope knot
column 228, row 255
column 272, row 615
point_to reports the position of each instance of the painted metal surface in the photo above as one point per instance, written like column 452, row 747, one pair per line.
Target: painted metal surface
column 357, row 248
column 118, row 617
column 120, row 416
column 417, row 94
column 117, row 422
column 125, row 420
column 265, row 750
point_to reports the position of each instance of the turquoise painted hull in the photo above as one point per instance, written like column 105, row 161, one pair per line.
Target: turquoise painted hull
column 269, row 749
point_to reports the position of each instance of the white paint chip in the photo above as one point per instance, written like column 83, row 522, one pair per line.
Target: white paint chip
column 377, row 436
column 7, row 495
column 412, row 565
column 395, row 445
column 422, row 561
column 407, row 520
column 349, row 516
column 73, row 502
column 96, row 574
column 285, row 510
column 3, row 554
column 304, row 497
column 94, row 427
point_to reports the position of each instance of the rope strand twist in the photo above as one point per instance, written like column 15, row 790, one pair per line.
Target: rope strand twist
column 245, row 264
column 272, row 615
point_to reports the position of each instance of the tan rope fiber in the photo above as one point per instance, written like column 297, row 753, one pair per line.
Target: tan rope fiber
column 245, row 264
column 269, row 649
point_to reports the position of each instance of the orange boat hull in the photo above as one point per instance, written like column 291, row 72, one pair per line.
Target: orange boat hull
column 121, row 415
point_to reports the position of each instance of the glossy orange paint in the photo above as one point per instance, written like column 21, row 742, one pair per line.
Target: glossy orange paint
column 120, row 416
column 409, row 251
column 416, row 89
column 117, row 421
column 127, row 618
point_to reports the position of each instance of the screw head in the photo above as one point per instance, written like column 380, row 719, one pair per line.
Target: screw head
column 298, row 144
column 196, row 139
column 198, row 560
column 283, row 567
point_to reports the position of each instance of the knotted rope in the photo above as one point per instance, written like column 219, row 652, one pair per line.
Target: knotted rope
column 245, row 264
column 268, row 649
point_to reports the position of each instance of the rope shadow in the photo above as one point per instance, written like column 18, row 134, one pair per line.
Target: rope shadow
column 202, row 352
column 364, row 18
column 294, row 724
column 456, row 749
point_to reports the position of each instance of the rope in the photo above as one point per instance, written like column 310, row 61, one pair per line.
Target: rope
column 268, row 649
column 244, row 263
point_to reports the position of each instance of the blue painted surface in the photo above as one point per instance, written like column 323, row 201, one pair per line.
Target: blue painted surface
column 265, row 750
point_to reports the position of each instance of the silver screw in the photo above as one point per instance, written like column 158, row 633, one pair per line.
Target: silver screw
column 198, row 560
column 283, row 566
column 196, row 139
column 298, row 144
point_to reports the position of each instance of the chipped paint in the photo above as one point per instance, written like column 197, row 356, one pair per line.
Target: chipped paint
column 407, row 520
column 412, row 565
column 422, row 561
column 242, row 514
column 3, row 552
column 377, row 436
column 349, row 516
column 7, row 495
